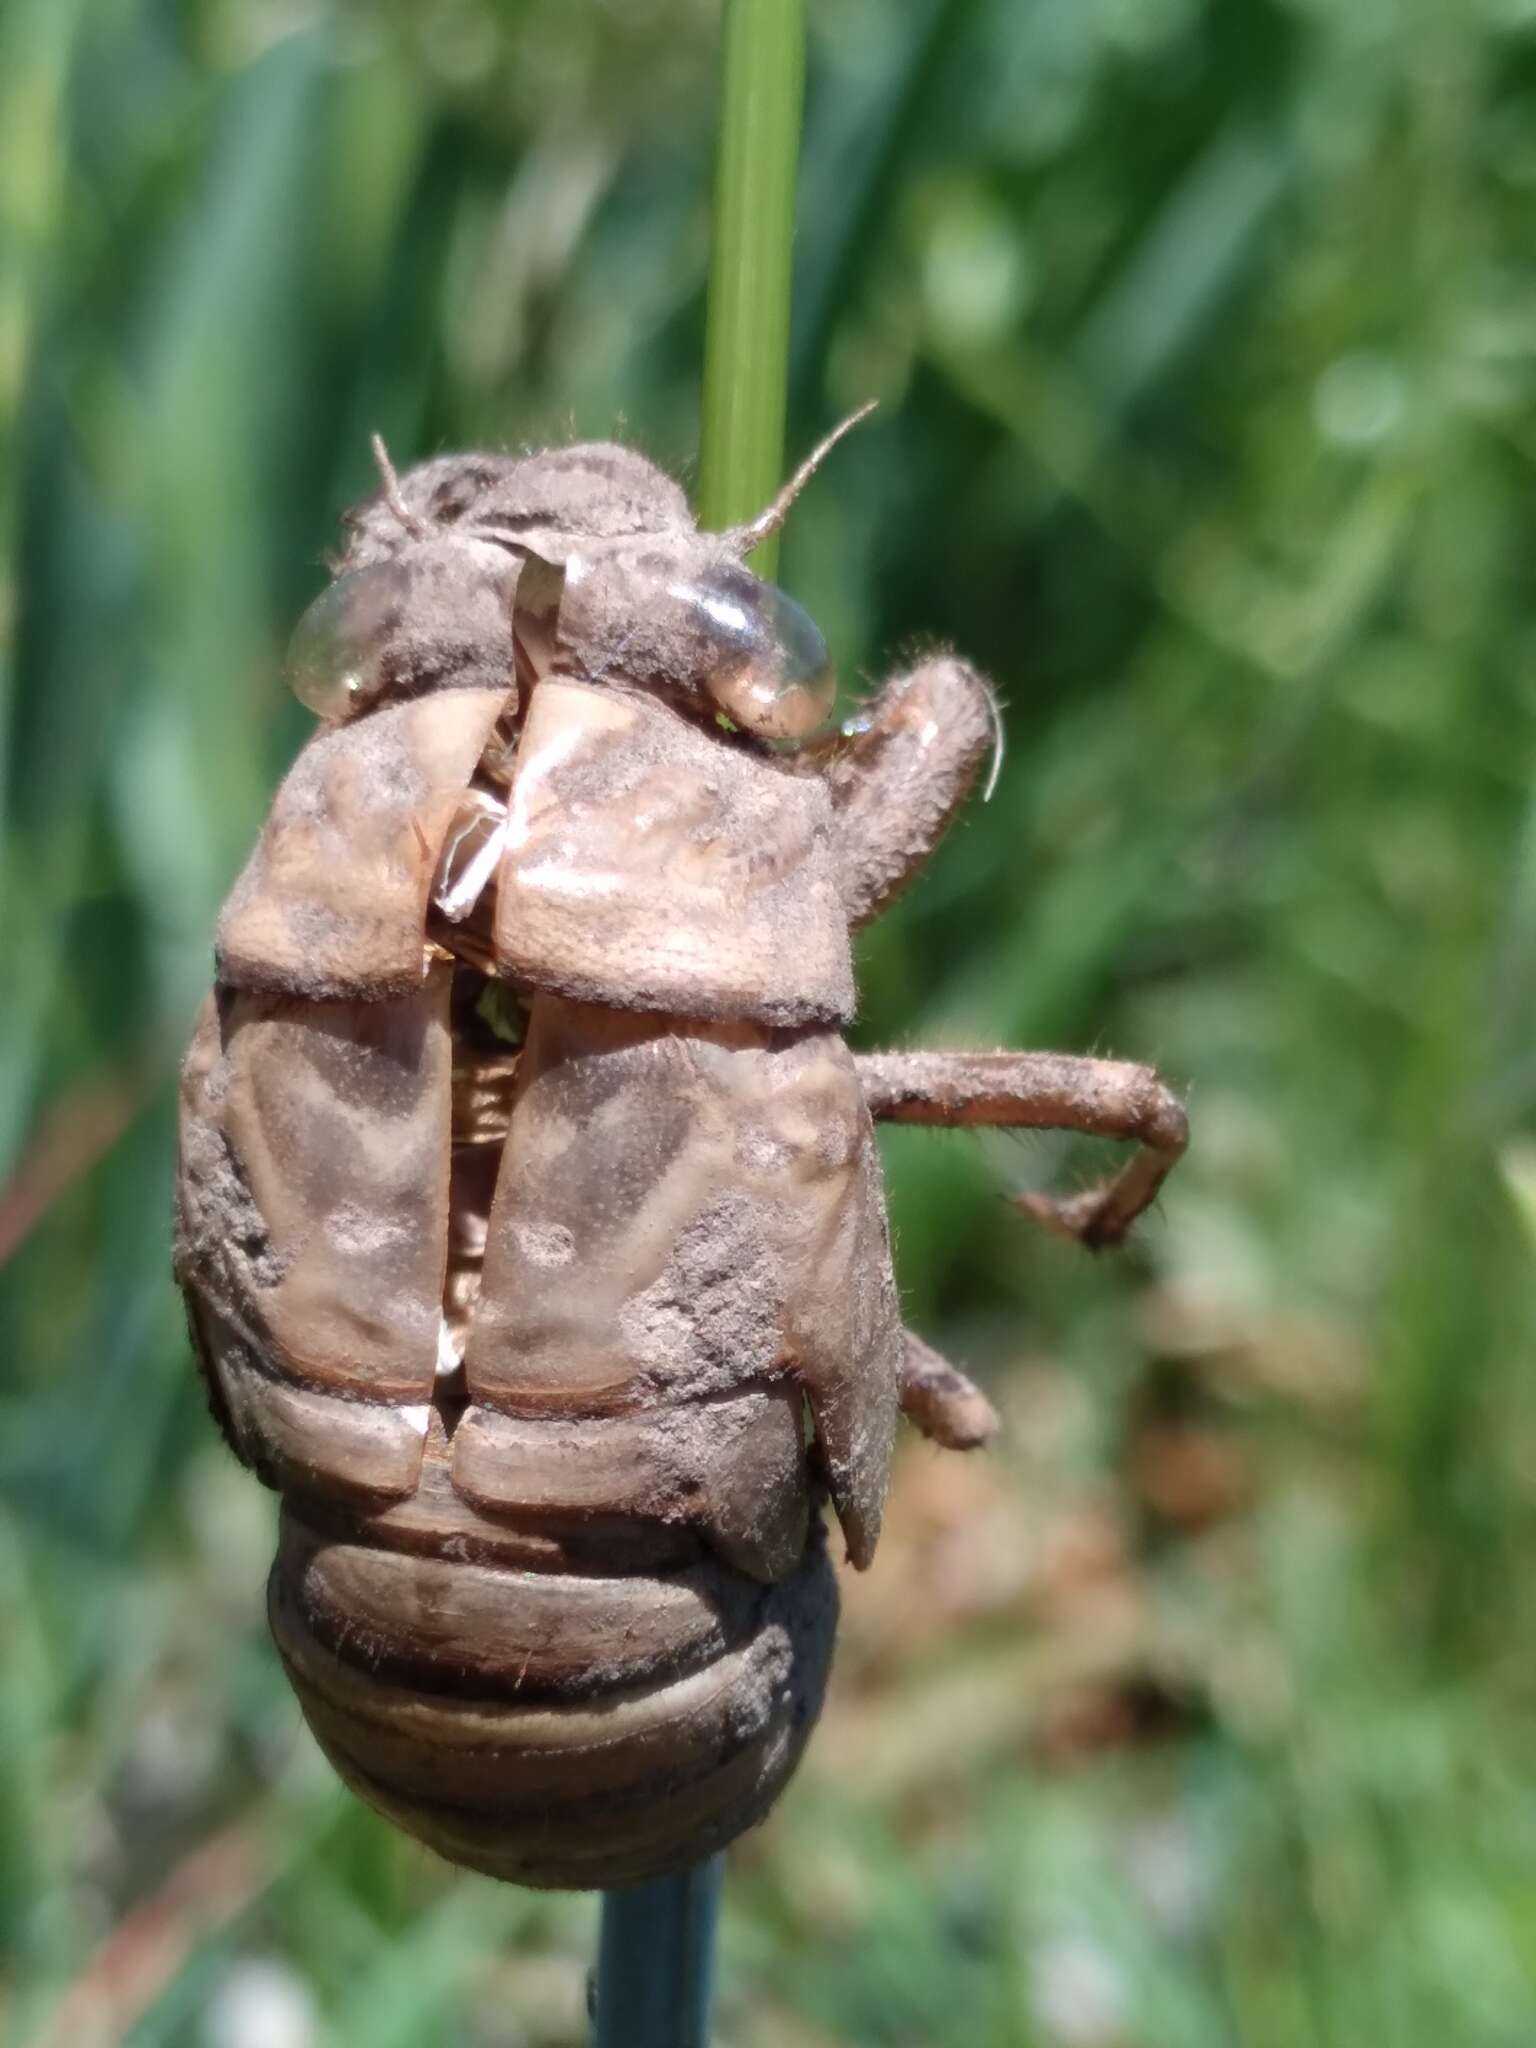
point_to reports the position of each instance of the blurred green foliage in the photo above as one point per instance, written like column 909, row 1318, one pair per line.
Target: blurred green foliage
column 1205, row 334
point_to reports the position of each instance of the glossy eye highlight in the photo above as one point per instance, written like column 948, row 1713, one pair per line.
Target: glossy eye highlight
column 333, row 657
column 770, row 672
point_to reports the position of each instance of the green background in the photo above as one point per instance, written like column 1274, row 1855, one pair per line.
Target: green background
column 1201, row 1713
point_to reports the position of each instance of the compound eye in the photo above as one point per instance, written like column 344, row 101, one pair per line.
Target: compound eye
column 771, row 673
column 335, row 652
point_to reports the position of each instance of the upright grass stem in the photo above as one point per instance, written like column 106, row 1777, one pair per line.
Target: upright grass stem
column 655, row 1965
column 746, row 344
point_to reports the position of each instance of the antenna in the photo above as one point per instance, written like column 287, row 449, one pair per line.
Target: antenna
column 745, row 538
column 417, row 527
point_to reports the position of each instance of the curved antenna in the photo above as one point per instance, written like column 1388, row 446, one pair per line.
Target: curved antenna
column 417, row 527
column 743, row 539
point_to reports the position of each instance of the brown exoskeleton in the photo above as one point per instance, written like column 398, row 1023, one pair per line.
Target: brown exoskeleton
column 529, row 1212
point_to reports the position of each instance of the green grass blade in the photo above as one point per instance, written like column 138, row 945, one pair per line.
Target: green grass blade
column 746, row 350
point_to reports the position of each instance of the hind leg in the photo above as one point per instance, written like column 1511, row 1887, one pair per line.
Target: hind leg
column 938, row 1398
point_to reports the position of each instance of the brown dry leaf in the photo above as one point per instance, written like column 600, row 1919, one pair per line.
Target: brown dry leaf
column 149, row 1946
column 1192, row 1476
column 1319, row 1363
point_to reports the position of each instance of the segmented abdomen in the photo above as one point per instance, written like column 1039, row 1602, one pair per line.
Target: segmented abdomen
column 548, row 1709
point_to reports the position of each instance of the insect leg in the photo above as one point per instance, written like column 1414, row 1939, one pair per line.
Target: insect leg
column 1044, row 1091
column 949, row 1409
column 899, row 772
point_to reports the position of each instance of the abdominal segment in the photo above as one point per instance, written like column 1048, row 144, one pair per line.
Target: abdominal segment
column 552, row 1705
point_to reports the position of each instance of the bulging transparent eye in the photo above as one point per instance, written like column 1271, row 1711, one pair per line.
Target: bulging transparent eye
column 773, row 675
column 333, row 657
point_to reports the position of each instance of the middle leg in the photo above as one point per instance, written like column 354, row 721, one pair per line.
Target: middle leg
column 1043, row 1091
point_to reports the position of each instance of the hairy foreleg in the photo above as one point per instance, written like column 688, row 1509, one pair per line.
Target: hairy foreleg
column 1044, row 1091
column 948, row 1408
column 899, row 772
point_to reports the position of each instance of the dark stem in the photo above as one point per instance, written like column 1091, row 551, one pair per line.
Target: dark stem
column 655, row 1961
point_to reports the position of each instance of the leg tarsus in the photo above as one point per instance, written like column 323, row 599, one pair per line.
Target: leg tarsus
column 1102, row 1215
column 936, row 1396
